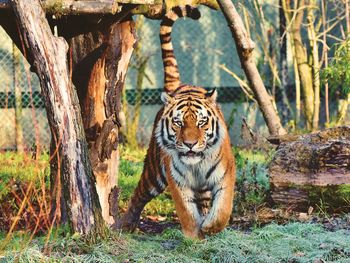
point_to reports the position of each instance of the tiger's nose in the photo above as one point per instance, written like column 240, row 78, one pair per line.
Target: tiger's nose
column 190, row 144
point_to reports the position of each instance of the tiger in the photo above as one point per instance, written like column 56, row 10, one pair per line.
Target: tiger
column 189, row 151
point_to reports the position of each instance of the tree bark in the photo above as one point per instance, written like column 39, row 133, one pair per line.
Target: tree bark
column 313, row 40
column 245, row 47
column 310, row 166
column 62, row 106
column 74, row 7
column 304, row 68
column 99, row 64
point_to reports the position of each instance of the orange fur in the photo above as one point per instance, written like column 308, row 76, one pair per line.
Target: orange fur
column 203, row 206
column 189, row 151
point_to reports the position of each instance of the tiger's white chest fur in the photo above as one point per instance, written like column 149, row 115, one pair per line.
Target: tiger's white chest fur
column 203, row 175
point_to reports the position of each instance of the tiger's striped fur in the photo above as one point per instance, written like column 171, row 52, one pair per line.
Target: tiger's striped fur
column 171, row 70
column 190, row 153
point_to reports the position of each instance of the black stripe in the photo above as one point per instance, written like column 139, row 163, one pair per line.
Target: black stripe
column 165, row 35
column 147, row 195
column 177, row 10
column 193, row 12
column 170, row 75
column 220, row 189
column 181, row 101
column 211, row 135
column 162, row 134
column 213, row 168
column 167, row 21
column 154, row 182
column 189, row 91
column 170, row 137
column 162, row 174
column 164, row 40
column 217, row 133
column 169, row 63
column 181, row 106
column 167, row 54
column 197, row 106
column 177, row 170
column 189, row 10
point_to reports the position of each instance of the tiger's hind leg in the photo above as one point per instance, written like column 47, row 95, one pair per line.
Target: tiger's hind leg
column 151, row 184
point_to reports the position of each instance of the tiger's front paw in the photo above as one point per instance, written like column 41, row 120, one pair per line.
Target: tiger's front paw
column 207, row 226
column 213, row 225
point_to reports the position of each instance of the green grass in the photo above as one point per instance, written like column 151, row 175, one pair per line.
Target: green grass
column 131, row 165
column 294, row 242
column 16, row 167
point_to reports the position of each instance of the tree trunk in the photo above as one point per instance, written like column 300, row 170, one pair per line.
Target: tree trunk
column 313, row 40
column 99, row 62
column 49, row 61
column 245, row 47
column 312, row 168
column 304, row 69
column 287, row 109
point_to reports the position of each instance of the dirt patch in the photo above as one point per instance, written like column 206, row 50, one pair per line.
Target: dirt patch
column 153, row 227
column 261, row 218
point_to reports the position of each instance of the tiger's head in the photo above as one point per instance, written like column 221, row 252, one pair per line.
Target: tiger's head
column 191, row 126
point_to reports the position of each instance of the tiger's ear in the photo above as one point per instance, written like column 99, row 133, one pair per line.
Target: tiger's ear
column 212, row 95
column 166, row 97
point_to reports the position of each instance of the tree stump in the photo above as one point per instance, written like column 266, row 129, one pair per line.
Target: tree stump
column 100, row 60
column 313, row 169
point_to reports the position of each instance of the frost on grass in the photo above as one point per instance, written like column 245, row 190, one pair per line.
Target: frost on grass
column 294, row 242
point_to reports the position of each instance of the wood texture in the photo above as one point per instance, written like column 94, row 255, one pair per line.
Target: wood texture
column 73, row 7
column 100, row 60
column 62, row 106
column 314, row 161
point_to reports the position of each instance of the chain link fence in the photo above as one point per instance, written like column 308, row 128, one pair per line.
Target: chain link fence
column 200, row 47
column 23, row 122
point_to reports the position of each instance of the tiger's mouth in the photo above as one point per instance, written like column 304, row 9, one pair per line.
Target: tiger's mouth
column 191, row 154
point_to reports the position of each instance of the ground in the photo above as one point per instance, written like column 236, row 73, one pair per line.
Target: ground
column 257, row 231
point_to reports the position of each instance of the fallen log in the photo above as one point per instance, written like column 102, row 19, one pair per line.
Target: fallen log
column 313, row 169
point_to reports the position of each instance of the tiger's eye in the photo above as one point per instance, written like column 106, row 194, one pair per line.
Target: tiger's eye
column 177, row 123
column 203, row 122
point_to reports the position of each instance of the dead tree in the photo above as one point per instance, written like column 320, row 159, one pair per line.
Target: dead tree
column 48, row 57
column 245, row 47
column 100, row 60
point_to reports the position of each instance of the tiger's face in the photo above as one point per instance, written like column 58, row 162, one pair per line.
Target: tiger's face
column 191, row 125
